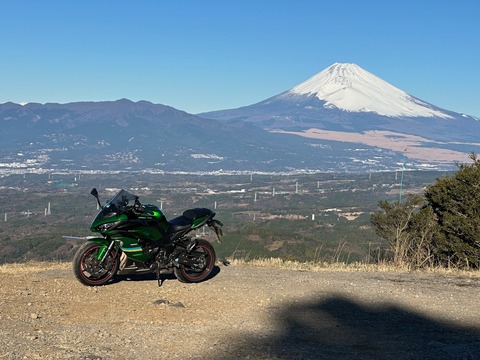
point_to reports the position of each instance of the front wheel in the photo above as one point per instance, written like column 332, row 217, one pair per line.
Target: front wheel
column 204, row 256
column 87, row 267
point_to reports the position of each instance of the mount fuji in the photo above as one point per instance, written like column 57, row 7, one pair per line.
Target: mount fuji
column 350, row 88
column 345, row 103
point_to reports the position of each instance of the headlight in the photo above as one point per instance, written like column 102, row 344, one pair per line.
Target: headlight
column 105, row 227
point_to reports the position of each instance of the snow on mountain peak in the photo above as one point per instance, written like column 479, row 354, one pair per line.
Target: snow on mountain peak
column 349, row 87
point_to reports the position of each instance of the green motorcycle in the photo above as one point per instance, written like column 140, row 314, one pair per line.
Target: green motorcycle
column 137, row 238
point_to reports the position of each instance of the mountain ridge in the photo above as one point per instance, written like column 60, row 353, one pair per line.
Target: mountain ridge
column 292, row 131
column 126, row 135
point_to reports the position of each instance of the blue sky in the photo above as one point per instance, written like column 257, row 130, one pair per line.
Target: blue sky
column 209, row 55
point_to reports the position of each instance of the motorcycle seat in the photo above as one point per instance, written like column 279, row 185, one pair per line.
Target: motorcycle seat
column 185, row 221
column 196, row 213
column 178, row 224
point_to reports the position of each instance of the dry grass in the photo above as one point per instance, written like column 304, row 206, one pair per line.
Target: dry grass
column 274, row 263
column 277, row 263
column 33, row 266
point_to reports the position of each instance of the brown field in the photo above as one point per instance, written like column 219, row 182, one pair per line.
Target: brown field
column 389, row 140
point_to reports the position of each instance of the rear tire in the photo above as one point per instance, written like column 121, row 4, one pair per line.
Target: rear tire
column 205, row 253
column 87, row 268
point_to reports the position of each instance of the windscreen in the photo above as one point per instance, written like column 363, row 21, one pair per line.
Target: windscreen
column 121, row 201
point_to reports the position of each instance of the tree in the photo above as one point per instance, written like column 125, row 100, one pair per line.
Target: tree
column 423, row 229
column 399, row 224
column 441, row 228
column 455, row 201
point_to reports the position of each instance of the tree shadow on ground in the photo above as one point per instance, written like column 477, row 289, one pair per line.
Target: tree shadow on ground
column 339, row 328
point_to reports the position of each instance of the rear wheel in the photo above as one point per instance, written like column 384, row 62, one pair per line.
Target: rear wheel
column 87, row 267
column 204, row 255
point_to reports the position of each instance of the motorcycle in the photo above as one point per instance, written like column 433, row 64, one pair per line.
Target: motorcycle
column 137, row 238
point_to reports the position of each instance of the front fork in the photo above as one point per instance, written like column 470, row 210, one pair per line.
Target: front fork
column 104, row 251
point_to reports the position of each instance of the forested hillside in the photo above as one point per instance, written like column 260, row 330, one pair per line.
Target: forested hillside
column 321, row 217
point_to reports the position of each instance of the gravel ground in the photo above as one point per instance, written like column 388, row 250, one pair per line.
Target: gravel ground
column 242, row 312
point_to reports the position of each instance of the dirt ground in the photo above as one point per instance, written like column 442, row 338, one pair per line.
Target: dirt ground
column 242, row 312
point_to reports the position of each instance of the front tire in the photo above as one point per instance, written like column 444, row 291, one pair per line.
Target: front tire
column 87, row 267
column 205, row 254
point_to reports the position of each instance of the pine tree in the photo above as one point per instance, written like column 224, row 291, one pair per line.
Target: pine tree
column 455, row 201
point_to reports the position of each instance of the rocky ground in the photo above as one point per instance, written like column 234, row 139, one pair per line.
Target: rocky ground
column 242, row 312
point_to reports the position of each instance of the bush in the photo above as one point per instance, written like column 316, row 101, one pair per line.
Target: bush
column 408, row 227
column 442, row 228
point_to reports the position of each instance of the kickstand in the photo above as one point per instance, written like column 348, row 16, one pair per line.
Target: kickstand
column 159, row 280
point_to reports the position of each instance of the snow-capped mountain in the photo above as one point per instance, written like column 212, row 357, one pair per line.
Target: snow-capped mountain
column 349, row 87
column 347, row 104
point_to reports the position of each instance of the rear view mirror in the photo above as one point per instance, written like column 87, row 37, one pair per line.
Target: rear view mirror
column 94, row 192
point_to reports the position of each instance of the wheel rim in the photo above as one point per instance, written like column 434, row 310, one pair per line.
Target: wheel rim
column 90, row 268
column 206, row 267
